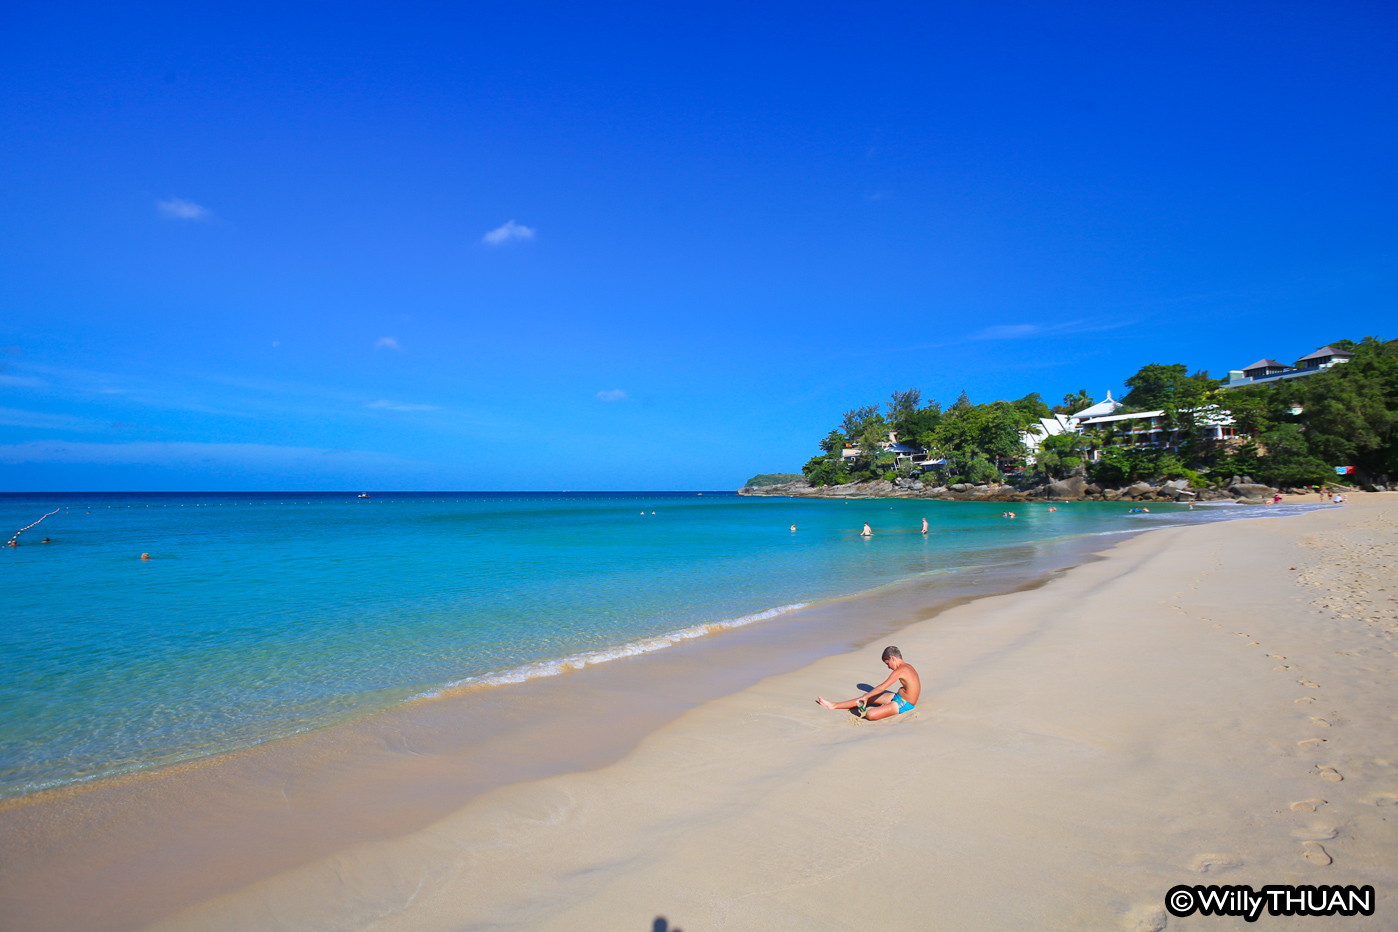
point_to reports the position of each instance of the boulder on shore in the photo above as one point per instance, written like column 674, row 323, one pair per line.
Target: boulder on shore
column 1072, row 487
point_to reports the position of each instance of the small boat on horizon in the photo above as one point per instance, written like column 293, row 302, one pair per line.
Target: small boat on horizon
column 363, row 494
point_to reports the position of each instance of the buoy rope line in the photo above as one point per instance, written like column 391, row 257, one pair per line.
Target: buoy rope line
column 28, row 526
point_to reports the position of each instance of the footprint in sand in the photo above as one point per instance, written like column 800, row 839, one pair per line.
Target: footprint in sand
column 1310, row 743
column 1276, row 656
column 1305, row 699
column 1316, row 831
column 1307, row 805
column 1285, row 666
column 1307, row 683
column 1329, row 773
column 1150, row 918
column 1315, row 852
column 1320, row 721
column 1214, row 862
column 1386, row 799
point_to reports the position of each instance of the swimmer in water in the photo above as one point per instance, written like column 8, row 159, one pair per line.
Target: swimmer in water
column 145, row 556
column 793, row 527
column 1052, row 510
column 867, row 532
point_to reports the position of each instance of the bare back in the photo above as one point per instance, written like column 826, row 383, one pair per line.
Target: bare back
column 910, row 683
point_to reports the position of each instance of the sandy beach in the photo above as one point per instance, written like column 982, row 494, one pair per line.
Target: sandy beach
column 1210, row 704
column 1203, row 704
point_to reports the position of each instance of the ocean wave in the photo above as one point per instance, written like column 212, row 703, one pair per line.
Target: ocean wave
column 543, row 668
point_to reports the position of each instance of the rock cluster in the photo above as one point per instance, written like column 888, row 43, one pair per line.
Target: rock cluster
column 1073, row 488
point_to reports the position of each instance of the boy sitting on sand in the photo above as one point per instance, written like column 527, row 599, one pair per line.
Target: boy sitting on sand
column 885, row 703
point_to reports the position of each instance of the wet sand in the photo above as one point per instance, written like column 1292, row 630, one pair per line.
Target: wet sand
column 125, row 853
column 1208, row 704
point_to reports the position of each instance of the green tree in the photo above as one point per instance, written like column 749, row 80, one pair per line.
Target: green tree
column 1075, row 402
column 1288, row 460
column 903, row 405
column 855, row 420
column 1157, row 386
column 1350, row 413
column 1032, row 407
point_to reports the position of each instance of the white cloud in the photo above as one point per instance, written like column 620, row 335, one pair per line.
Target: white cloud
column 384, row 405
column 186, row 454
column 177, row 208
column 1006, row 332
column 507, row 232
column 615, row 394
column 14, row 417
column 387, row 343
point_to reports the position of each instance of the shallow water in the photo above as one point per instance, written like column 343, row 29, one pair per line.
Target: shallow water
column 258, row 616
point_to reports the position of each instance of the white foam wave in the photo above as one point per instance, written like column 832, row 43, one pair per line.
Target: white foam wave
column 542, row 668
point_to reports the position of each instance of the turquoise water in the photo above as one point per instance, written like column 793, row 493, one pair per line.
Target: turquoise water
column 261, row 615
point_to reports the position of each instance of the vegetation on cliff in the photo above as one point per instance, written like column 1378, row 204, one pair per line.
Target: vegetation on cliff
column 1290, row 432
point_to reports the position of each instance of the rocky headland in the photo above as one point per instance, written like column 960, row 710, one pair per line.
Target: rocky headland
column 1074, row 488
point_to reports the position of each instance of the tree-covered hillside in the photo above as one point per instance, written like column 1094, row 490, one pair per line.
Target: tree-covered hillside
column 1290, row 432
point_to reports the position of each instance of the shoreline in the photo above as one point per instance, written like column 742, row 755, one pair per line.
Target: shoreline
column 241, row 817
column 1210, row 704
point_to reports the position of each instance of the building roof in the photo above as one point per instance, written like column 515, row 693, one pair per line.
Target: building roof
column 1122, row 417
column 1324, row 352
column 1266, row 364
column 1102, row 407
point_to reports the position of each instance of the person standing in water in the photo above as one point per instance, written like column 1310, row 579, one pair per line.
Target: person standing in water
column 867, row 532
column 924, row 525
column 881, row 702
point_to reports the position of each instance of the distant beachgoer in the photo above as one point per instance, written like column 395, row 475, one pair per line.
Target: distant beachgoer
column 1277, row 498
column 867, row 532
column 793, row 527
column 652, row 512
column 46, row 540
column 881, row 702
column 145, row 556
column 1191, row 504
column 1052, row 510
column 924, row 525
column 1339, row 499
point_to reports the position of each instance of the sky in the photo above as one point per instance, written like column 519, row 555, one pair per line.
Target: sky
column 659, row 246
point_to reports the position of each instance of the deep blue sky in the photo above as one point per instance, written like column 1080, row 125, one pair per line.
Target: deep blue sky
column 246, row 247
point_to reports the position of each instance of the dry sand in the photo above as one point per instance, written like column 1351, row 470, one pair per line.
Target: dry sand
column 1209, row 704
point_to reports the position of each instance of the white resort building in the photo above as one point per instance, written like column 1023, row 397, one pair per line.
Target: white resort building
column 1134, row 429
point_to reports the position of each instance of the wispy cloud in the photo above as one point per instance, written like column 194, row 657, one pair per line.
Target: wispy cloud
column 384, row 405
column 177, row 208
column 1007, row 332
column 14, row 417
column 387, row 343
column 186, row 454
column 506, row 232
column 614, row 394
column 21, row 381
column 1025, row 331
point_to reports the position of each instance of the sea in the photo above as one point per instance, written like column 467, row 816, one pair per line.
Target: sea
column 257, row 616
